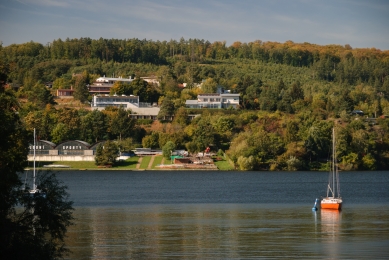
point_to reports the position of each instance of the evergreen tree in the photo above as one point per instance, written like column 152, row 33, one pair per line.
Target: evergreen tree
column 121, row 123
column 81, row 91
column 296, row 92
column 106, row 154
column 166, row 109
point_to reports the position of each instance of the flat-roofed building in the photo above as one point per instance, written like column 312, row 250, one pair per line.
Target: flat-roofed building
column 131, row 102
column 103, row 85
column 214, row 100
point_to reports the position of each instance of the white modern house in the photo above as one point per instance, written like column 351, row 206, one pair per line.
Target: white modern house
column 216, row 100
column 103, row 85
column 108, row 80
column 131, row 102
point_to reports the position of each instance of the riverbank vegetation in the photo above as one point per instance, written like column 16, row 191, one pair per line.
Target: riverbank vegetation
column 292, row 94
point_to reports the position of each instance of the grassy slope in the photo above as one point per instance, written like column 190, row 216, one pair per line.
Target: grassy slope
column 145, row 162
column 123, row 165
column 157, row 160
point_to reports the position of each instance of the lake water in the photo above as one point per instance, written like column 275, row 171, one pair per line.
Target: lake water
column 225, row 215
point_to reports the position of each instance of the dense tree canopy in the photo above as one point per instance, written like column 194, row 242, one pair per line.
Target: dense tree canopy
column 291, row 94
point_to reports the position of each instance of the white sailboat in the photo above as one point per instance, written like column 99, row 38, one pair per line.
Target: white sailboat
column 333, row 200
column 34, row 189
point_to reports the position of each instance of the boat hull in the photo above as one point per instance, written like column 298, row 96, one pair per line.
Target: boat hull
column 331, row 203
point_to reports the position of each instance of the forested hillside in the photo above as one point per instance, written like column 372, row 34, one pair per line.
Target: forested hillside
column 292, row 94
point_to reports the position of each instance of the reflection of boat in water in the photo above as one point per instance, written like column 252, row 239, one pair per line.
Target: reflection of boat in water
column 331, row 232
column 330, row 222
column 330, row 218
column 333, row 199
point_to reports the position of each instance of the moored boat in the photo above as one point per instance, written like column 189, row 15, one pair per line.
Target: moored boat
column 333, row 200
column 35, row 189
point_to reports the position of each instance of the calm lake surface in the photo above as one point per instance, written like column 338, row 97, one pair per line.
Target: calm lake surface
column 225, row 215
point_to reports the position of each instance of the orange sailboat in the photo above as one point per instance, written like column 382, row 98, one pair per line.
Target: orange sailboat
column 333, row 200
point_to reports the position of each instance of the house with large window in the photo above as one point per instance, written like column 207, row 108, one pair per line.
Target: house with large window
column 103, row 85
column 215, row 100
column 130, row 102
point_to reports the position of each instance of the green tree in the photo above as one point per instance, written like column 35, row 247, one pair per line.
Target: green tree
column 126, row 145
column 292, row 128
column 318, row 140
column 99, row 157
column 204, row 134
column 181, row 117
column 13, row 153
column 192, row 147
column 32, row 227
column 106, row 154
column 81, row 91
column 167, row 149
column 166, row 109
column 72, row 121
column 94, row 126
column 40, row 96
column 209, row 86
column 151, row 141
column 296, row 92
column 145, row 91
column 61, row 83
column 121, row 88
column 250, row 99
column 246, row 163
column 268, row 98
column 60, row 133
column 121, row 123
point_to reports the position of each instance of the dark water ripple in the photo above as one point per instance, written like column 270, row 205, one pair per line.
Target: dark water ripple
column 226, row 215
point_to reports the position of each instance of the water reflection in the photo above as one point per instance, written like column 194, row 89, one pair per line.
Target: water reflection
column 226, row 231
column 330, row 230
column 190, row 231
column 330, row 223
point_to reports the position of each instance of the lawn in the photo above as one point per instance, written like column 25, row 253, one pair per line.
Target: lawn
column 129, row 164
column 223, row 165
column 145, row 162
column 157, row 160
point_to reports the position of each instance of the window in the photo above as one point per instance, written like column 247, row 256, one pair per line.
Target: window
column 205, row 99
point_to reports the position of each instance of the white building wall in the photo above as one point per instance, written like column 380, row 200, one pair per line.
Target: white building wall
column 55, row 158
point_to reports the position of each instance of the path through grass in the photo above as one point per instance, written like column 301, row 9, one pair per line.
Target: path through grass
column 145, row 162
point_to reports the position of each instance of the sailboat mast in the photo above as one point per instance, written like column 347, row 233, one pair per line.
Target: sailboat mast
column 333, row 161
column 33, row 183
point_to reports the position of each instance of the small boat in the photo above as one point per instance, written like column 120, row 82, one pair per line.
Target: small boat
column 333, row 200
